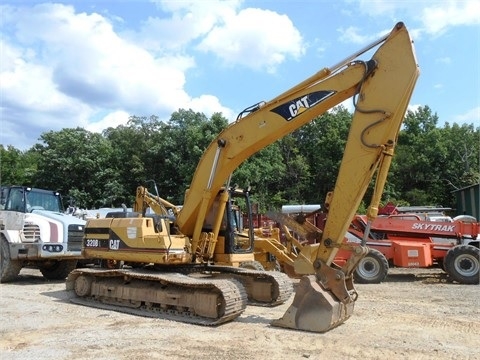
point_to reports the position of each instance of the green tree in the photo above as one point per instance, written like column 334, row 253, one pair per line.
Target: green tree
column 147, row 149
column 418, row 157
column 264, row 172
column 322, row 143
column 105, row 169
column 297, row 176
column 462, row 144
column 131, row 145
column 176, row 148
column 433, row 161
column 17, row 167
column 76, row 162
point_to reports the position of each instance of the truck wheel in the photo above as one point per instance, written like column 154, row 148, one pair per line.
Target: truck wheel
column 462, row 264
column 372, row 269
column 9, row 269
column 252, row 265
column 57, row 270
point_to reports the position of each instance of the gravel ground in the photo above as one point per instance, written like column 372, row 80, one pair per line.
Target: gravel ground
column 415, row 314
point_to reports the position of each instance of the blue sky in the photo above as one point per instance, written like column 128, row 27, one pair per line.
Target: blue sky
column 94, row 63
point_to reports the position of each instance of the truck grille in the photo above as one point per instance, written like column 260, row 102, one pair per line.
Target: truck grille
column 31, row 232
column 75, row 237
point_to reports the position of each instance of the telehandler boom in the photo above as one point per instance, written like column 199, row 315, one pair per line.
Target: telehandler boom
column 194, row 279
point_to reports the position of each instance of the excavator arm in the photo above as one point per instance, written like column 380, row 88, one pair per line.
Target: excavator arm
column 144, row 200
column 382, row 88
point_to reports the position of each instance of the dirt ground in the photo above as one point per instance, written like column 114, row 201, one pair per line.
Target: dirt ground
column 415, row 314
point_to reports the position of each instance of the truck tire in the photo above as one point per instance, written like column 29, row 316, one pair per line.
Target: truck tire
column 372, row 269
column 57, row 270
column 462, row 264
column 9, row 269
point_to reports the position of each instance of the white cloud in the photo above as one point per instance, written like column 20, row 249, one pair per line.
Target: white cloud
column 379, row 7
column 66, row 67
column 255, row 38
column 436, row 16
column 92, row 63
column 26, row 87
column 471, row 116
column 444, row 60
column 209, row 105
column 441, row 15
column 112, row 119
column 413, row 107
column 189, row 21
column 60, row 67
column 348, row 104
column 351, row 35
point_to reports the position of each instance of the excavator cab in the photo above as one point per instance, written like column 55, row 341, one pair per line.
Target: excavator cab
column 238, row 239
column 235, row 240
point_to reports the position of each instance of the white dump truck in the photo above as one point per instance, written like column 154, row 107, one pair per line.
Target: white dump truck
column 35, row 232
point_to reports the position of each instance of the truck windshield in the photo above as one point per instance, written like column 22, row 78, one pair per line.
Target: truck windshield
column 43, row 201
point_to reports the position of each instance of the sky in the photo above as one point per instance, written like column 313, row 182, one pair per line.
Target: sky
column 92, row 64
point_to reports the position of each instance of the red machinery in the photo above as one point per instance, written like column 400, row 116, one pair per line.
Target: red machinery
column 407, row 240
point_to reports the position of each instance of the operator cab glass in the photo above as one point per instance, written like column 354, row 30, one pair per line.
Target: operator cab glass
column 238, row 239
column 16, row 200
column 40, row 200
column 25, row 199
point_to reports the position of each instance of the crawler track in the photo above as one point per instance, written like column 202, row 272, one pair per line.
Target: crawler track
column 264, row 288
column 174, row 296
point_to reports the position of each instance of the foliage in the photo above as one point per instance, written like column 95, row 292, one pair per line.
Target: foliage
column 76, row 162
column 17, row 167
column 431, row 162
column 99, row 170
column 322, row 142
column 265, row 172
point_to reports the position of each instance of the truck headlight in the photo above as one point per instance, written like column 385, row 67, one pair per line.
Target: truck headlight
column 53, row 248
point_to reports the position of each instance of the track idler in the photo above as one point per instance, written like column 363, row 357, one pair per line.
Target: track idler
column 322, row 301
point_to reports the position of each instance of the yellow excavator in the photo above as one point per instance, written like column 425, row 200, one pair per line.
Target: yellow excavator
column 185, row 261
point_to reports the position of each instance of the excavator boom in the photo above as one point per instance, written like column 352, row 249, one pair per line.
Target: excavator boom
column 383, row 87
column 326, row 299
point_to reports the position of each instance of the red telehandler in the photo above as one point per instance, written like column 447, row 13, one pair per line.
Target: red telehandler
column 408, row 240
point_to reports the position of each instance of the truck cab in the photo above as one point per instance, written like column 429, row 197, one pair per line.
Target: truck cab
column 36, row 232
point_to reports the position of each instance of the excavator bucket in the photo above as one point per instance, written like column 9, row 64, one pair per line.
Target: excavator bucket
column 314, row 308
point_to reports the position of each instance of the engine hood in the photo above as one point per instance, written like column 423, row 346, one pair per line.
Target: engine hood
column 63, row 218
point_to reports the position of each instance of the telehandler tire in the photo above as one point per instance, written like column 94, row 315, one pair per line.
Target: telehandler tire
column 57, row 270
column 9, row 269
column 372, row 269
column 462, row 264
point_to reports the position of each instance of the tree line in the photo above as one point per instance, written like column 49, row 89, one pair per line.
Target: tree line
column 103, row 170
